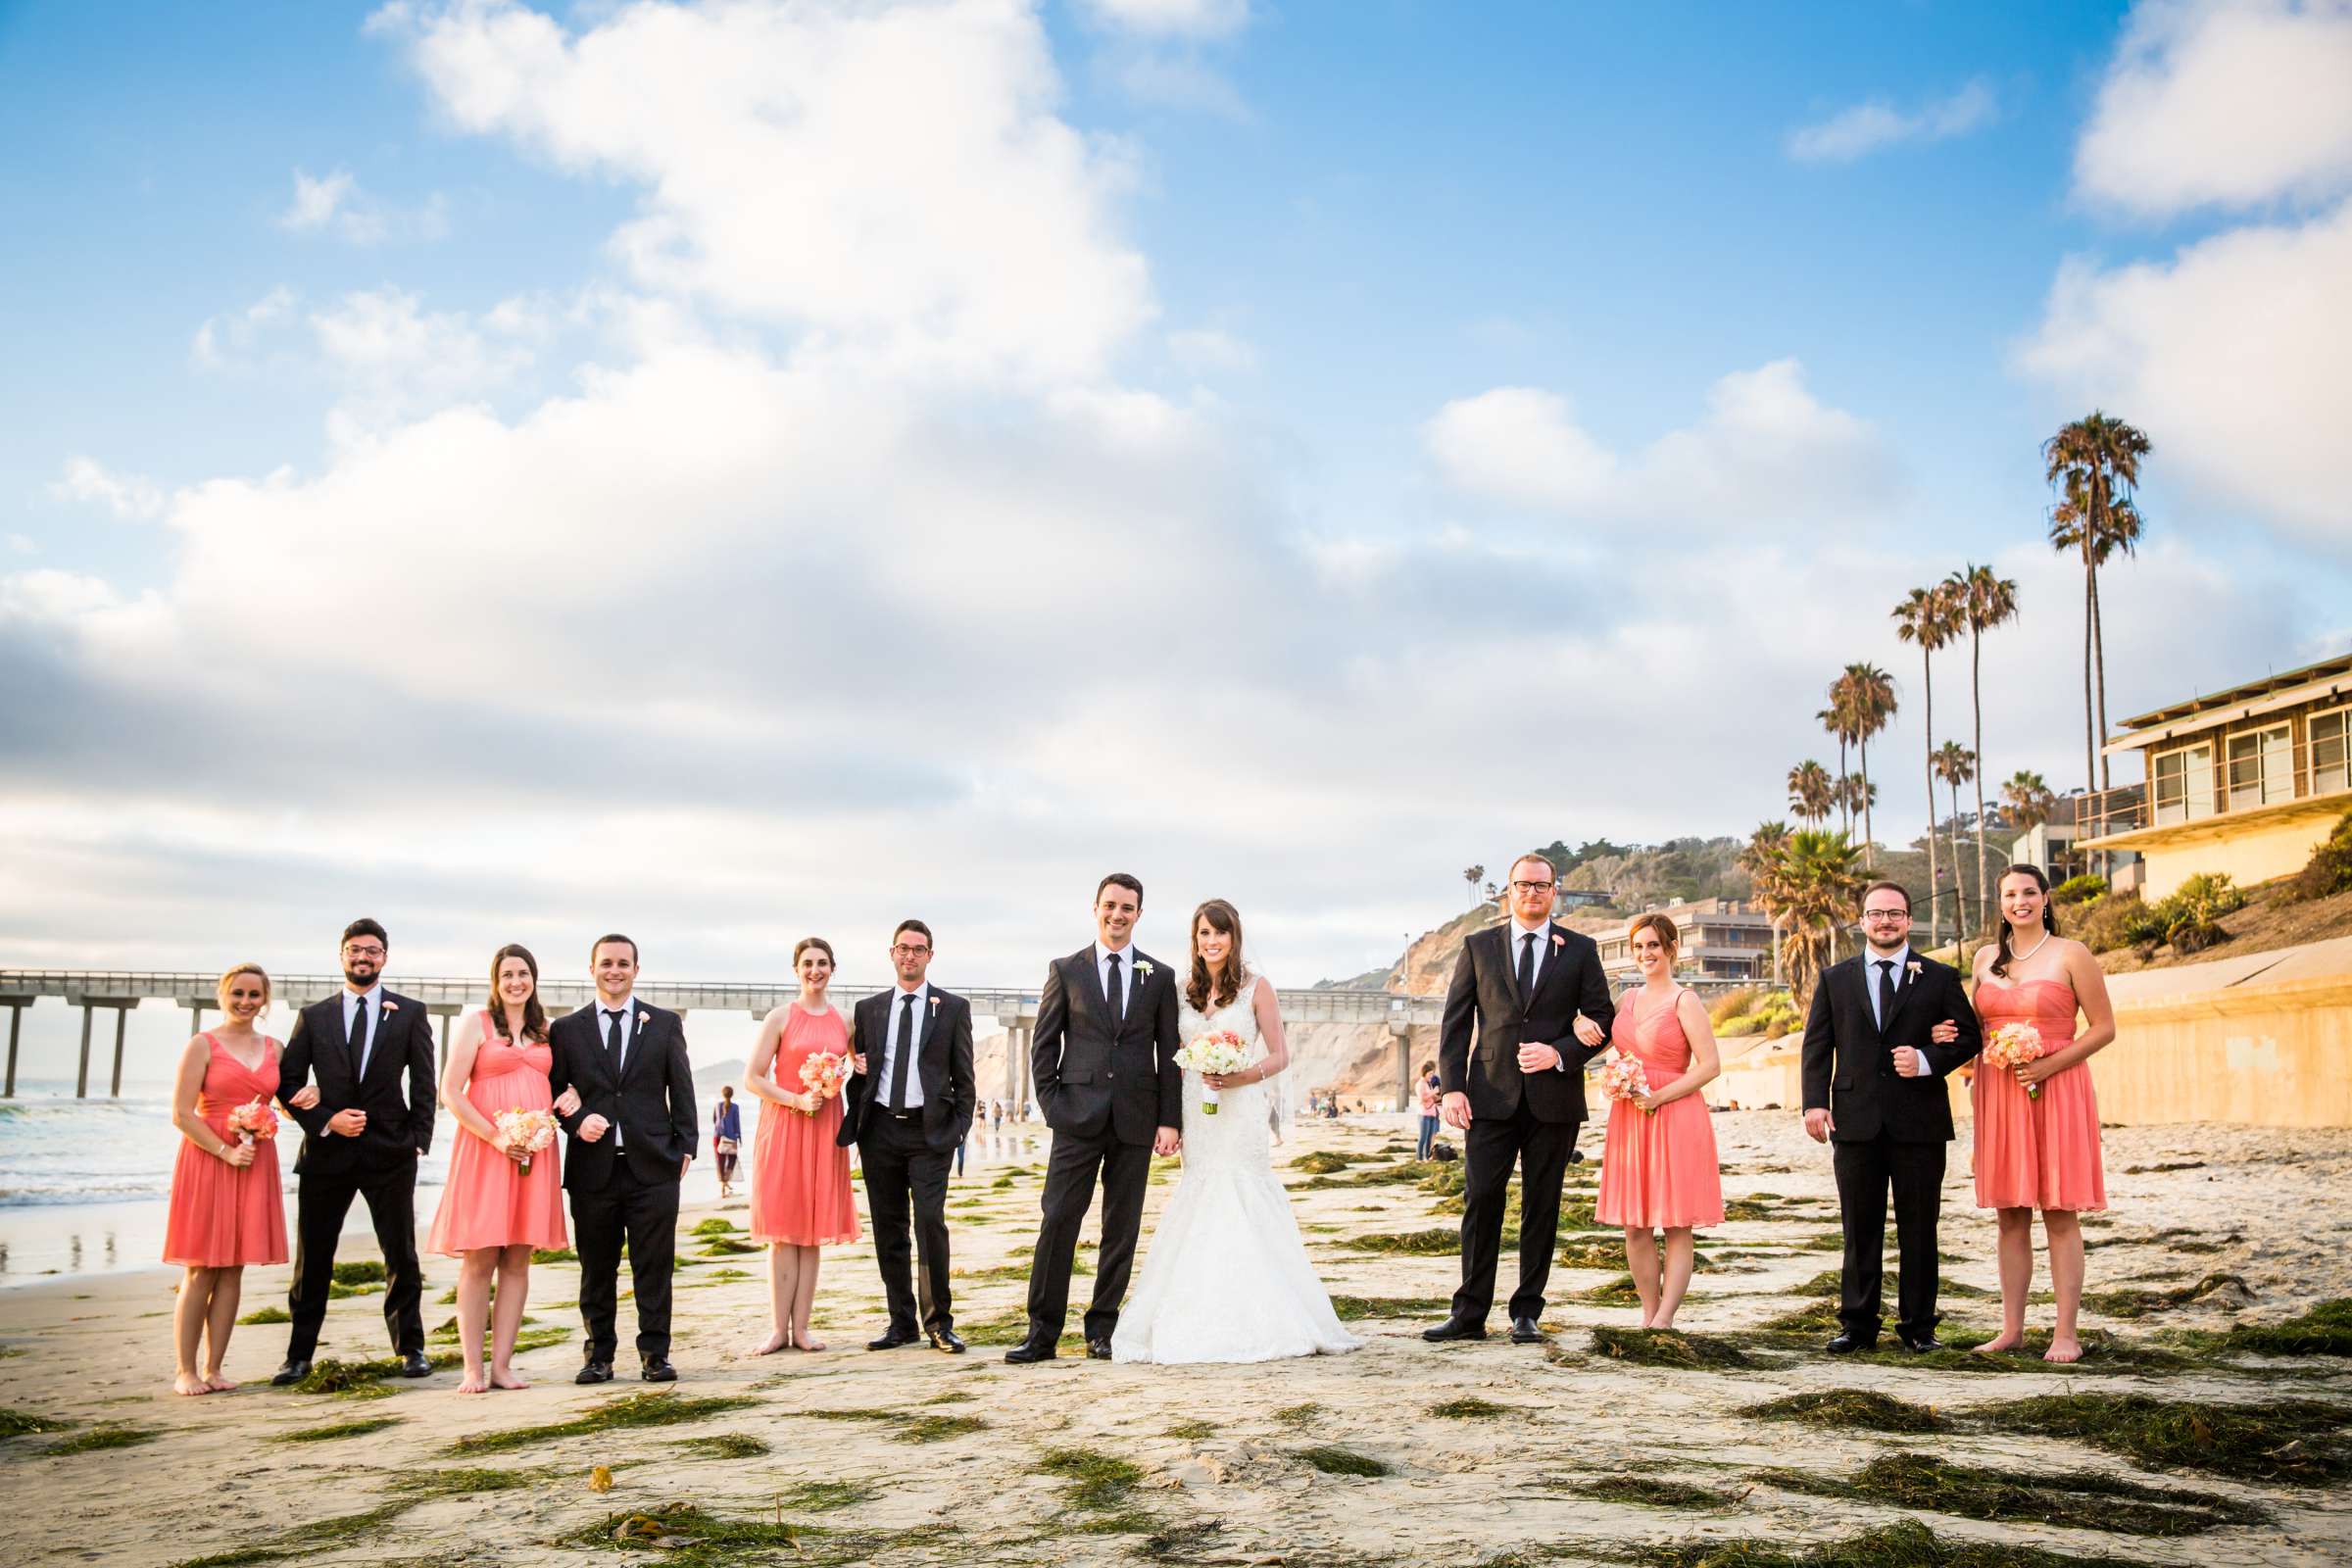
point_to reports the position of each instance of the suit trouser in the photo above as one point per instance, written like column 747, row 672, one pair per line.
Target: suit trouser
column 645, row 1215
column 319, row 1208
column 1070, row 1172
column 1866, row 1170
column 900, row 1164
column 1489, row 1148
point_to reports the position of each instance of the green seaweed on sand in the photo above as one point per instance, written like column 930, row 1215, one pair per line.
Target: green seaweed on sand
column 1300, row 1415
column 362, row 1272
column 2294, row 1442
column 2082, row 1499
column 1191, row 1431
column 1649, row 1491
column 335, row 1431
column 1354, row 1308
column 1323, row 1161
column 1670, row 1347
column 2325, row 1330
column 628, row 1411
column 25, row 1423
column 1906, row 1543
column 714, row 1226
column 265, row 1315
column 2127, row 1301
column 1099, row 1481
column 1469, row 1408
column 1414, row 1243
column 1334, row 1460
column 1863, row 1409
column 824, row 1497
column 99, row 1437
column 726, row 1445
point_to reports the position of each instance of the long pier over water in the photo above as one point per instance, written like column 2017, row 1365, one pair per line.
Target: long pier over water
column 118, row 991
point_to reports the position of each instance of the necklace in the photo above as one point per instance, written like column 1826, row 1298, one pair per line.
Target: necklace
column 2016, row 959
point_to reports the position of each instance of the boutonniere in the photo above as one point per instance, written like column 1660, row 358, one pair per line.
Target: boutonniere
column 644, row 1018
column 390, row 1006
column 1143, row 966
column 1558, row 941
column 934, row 1003
column 1914, row 967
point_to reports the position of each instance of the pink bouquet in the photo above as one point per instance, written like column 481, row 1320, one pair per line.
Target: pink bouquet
column 527, row 1130
column 1219, row 1051
column 1622, row 1077
column 2012, row 1045
column 822, row 1075
column 253, row 1120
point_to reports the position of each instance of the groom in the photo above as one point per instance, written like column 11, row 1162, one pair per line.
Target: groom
column 373, row 1051
column 630, row 1142
column 1104, row 1061
column 907, row 1111
column 1528, row 1008
column 1875, row 1093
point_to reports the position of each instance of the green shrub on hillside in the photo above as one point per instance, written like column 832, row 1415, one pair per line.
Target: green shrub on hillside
column 2189, row 919
column 2330, row 867
column 2085, row 889
column 1772, row 1015
column 1732, row 1005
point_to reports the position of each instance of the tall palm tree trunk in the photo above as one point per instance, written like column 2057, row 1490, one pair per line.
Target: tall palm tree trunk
column 1927, row 669
column 2090, row 765
column 1976, row 685
column 1960, row 930
column 1845, row 812
column 1869, row 839
column 2099, row 647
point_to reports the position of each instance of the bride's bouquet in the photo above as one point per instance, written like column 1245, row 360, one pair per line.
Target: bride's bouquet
column 1622, row 1077
column 1221, row 1052
column 822, row 1074
column 2012, row 1045
column 527, row 1130
column 255, row 1119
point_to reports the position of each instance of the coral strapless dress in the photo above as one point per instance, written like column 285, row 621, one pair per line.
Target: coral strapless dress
column 490, row 1201
column 2036, row 1152
column 1658, row 1170
column 221, row 1216
column 800, row 1176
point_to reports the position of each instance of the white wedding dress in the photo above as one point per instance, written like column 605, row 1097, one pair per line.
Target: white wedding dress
column 1227, row 1277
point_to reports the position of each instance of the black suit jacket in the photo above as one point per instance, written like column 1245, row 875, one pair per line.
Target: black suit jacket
column 1848, row 1061
column 943, row 1065
column 650, row 1098
column 1093, row 1071
column 397, row 1092
column 1487, row 1021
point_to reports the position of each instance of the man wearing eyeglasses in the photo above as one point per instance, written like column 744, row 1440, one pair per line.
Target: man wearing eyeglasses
column 364, row 1128
column 1874, row 1082
column 1528, row 1008
column 907, row 1108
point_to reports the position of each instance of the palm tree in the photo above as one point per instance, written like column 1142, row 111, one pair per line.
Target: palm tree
column 1816, row 883
column 1471, row 874
column 2029, row 800
column 1956, row 764
column 1987, row 600
column 1811, row 795
column 1930, row 617
column 1871, row 708
column 1765, row 860
column 2096, row 459
column 1860, row 795
column 1832, row 718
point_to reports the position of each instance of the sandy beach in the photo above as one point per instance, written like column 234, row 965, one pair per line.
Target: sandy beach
column 1399, row 1453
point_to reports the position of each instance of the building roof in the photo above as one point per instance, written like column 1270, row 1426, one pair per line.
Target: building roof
column 2330, row 678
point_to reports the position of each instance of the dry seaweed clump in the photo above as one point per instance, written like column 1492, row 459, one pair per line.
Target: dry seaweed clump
column 1649, row 1492
column 2325, row 1330
column 2139, row 1303
column 1321, row 1162
column 1863, row 1409
column 2083, row 1499
column 1333, row 1460
column 1904, row 1545
column 630, row 1411
column 1699, row 1352
column 2289, row 1440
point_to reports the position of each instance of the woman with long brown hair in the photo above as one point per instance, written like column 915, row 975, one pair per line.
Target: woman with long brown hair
column 802, row 1202
column 504, row 1196
column 1228, row 1278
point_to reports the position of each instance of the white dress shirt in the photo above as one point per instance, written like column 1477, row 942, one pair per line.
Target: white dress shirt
column 628, row 1032
column 1870, row 960
column 1126, row 972
column 893, row 1044
column 1542, row 935
column 370, row 1003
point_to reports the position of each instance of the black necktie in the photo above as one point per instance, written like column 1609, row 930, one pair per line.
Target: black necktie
column 359, row 1031
column 612, row 1036
column 1111, row 991
column 1885, row 991
column 898, row 1058
column 1527, row 965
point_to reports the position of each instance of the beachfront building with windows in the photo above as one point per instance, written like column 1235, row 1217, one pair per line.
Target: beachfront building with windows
column 2246, row 781
column 1721, row 939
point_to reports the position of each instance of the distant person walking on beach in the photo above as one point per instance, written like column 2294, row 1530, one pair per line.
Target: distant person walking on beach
column 1425, row 1090
column 503, row 1197
column 371, row 1051
column 225, row 1209
column 800, row 1196
column 727, row 1138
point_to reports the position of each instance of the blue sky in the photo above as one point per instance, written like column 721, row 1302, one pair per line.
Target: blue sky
column 1236, row 437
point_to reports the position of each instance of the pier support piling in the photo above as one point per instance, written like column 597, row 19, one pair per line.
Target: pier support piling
column 16, row 1006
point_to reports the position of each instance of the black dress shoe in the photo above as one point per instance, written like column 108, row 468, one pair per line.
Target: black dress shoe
column 414, row 1365
column 1097, row 1349
column 292, row 1372
column 944, row 1339
column 1454, row 1327
column 892, row 1340
column 1524, row 1332
column 1029, row 1350
column 1848, row 1344
column 595, row 1372
column 1922, row 1345
column 658, row 1370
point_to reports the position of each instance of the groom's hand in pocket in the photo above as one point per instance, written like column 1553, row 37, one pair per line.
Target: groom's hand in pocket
column 1455, row 1110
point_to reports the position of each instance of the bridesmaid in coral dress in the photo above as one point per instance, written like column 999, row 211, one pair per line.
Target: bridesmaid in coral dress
column 502, row 1200
column 1659, row 1168
column 800, row 1198
column 2039, row 1150
column 225, row 1209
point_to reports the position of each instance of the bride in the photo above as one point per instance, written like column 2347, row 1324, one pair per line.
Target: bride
column 1227, row 1277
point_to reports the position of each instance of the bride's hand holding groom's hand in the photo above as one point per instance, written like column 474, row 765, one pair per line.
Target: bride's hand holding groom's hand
column 1590, row 1033
column 1167, row 1140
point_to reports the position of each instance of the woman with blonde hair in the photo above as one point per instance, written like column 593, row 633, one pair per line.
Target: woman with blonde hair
column 225, row 1208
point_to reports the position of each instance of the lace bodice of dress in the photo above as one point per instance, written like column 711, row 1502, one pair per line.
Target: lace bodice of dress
column 1240, row 1129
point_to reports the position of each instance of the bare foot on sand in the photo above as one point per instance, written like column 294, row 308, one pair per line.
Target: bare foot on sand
column 1999, row 1342
column 189, row 1382
column 802, row 1342
column 502, row 1377
column 2063, row 1349
column 771, row 1344
column 214, row 1381
column 473, row 1383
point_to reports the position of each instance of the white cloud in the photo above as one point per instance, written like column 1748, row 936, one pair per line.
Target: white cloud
column 2231, row 355
column 20, row 544
column 334, row 203
column 894, row 181
column 2223, row 103
column 1211, row 351
column 125, row 495
column 223, row 339
column 1766, row 450
column 393, row 356
column 1188, row 18
column 1866, row 127
column 1176, row 80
